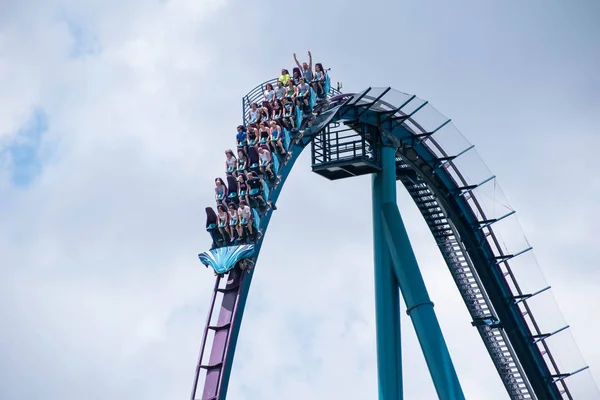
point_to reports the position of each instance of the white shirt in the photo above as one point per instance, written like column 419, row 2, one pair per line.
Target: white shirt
column 269, row 95
column 245, row 212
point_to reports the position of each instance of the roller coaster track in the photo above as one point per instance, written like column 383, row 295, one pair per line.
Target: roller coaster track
column 448, row 201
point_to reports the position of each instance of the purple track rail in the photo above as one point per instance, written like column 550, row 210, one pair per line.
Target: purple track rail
column 222, row 335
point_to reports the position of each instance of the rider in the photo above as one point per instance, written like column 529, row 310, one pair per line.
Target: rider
column 242, row 162
column 269, row 94
column 234, row 221
column 280, row 90
column 265, row 160
column 241, row 137
column 245, row 215
column 264, row 132
column 306, row 68
column 253, row 113
column 223, row 219
column 242, row 187
column 276, row 137
column 266, row 112
column 319, row 82
column 277, row 110
column 220, row 191
column 289, row 113
column 252, row 135
column 230, row 162
column 257, row 188
column 285, row 76
column 303, row 89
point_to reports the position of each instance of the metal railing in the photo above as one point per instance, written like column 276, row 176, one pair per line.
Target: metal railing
column 488, row 246
column 256, row 95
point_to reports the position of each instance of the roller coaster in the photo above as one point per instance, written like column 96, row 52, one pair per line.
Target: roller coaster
column 395, row 137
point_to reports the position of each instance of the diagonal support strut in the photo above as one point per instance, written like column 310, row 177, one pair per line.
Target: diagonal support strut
column 407, row 275
column 417, row 301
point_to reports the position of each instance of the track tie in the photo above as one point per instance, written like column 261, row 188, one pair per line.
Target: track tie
column 228, row 289
column 470, row 289
column 213, row 366
column 219, row 327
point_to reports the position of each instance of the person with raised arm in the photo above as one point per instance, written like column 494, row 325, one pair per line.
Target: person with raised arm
column 307, row 72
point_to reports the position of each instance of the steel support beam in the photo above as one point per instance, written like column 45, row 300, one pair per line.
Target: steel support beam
column 419, row 307
column 387, row 295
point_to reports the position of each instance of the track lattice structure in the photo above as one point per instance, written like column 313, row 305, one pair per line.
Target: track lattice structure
column 430, row 156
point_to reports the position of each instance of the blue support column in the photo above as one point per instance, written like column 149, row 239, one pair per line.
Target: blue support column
column 419, row 306
column 387, row 296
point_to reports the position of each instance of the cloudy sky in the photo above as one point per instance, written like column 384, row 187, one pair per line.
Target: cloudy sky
column 113, row 121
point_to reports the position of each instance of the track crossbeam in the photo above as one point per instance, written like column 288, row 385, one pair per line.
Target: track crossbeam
column 471, row 289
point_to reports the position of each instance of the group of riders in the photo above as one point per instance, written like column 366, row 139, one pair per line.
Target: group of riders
column 262, row 148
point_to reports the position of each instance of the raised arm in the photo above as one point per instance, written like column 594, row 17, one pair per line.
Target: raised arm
column 297, row 62
column 310, row 61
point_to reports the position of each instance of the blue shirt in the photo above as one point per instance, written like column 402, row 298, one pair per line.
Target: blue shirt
column 241, row 136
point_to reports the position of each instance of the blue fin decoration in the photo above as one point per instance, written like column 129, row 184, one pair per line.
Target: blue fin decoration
column 298, row 117
column 256, row 218
column 287, row 140
column 225, row 258
column 266, row 194
column 275, row 163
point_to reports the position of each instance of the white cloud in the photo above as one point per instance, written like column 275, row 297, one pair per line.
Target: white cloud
column 93, row 289
column 101, row 292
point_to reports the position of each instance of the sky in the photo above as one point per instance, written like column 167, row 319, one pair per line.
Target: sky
column 113, row 124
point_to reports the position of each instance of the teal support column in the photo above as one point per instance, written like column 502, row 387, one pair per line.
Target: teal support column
column 419, row 306
column 387, row 296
